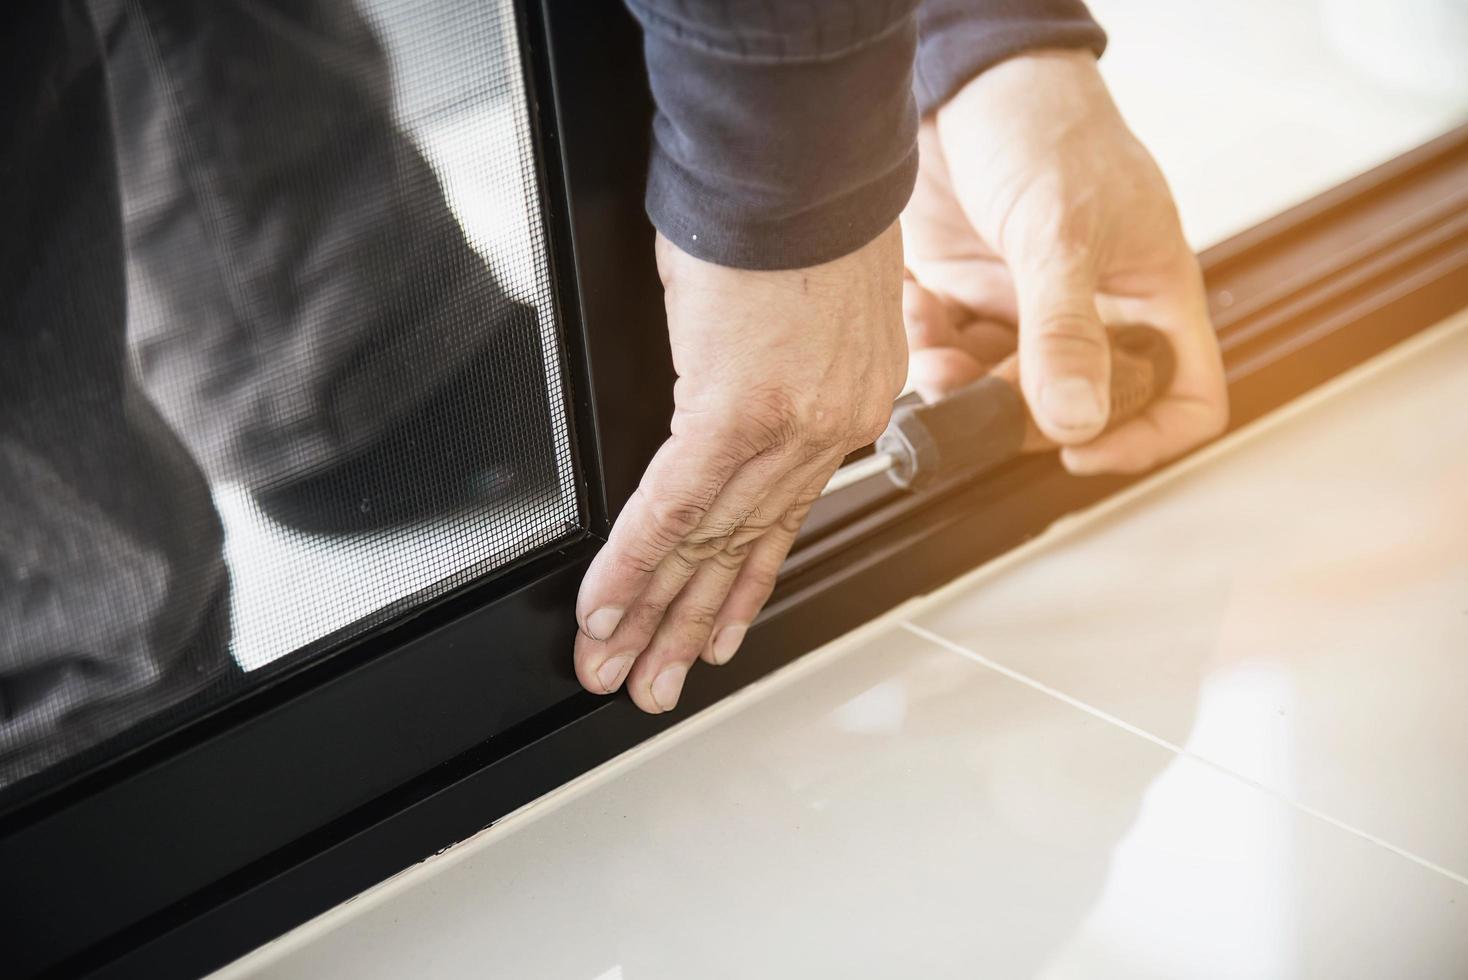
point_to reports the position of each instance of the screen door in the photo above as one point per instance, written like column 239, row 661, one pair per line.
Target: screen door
column 283, row 355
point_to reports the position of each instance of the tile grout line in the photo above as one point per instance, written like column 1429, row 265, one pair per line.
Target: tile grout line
column 1111, row 719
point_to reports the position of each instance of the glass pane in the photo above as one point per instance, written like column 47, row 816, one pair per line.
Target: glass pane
column 281, row 357
column 1252, row 107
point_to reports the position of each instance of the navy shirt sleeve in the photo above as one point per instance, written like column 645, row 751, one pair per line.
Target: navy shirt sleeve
column 786, row 132
column 958, row 39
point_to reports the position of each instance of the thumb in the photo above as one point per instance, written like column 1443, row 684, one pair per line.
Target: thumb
column 1064, row 355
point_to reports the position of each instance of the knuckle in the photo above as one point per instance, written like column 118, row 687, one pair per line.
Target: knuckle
column 825, row 437
column 727, row 549
column 714, row 532
column 675, row 517
column 873, row 422
column 686, row 557
column 768, row 418
column 729, row 559
column 1043, row 232
column 756, row 586
column 809, row 455
column 814, row 423
column 696, row 621
column 791, row 521
column 641, row 561
column 695, row 553
column 761, row 582
column 1072, row 341
column 760, row 519
column 1066, row 324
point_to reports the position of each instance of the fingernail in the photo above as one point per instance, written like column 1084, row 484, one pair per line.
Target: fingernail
column 603, row 623
column 726, row 642
column 610, row 673
column 1071, row 403
column 668, row 686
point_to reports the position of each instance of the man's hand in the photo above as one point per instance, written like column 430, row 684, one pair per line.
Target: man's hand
column 780, row 374
column 1036, row 205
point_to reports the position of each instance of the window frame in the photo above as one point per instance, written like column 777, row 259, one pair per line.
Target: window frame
column 335, row 775
column 97, row 865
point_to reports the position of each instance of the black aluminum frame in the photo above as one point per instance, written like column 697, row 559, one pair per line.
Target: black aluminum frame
column 91, row 869
column 330, row 779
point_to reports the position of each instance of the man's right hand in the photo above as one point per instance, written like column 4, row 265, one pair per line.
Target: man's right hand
column 780, row 374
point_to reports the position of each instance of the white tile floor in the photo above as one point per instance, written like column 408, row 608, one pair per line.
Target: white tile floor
column 1214, row 728
column 1320, row 608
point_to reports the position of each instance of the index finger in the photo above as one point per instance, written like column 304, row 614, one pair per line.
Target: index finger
column 691, row 484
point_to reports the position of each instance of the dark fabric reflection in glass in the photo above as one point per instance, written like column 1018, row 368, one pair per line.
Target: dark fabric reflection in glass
column 229, row 270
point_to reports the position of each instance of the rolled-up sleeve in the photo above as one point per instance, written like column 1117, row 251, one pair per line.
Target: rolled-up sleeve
column 786, row 130
column 959, row 39
column 785, row 133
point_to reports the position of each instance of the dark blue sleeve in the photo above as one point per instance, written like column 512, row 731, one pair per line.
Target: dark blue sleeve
column 786, row 131
column 958, row 39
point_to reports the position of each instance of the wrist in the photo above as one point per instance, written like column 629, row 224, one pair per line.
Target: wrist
column 1029, row 93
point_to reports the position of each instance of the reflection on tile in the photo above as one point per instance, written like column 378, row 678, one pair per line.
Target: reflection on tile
column 1276, row 897
column 891, row 810
column 1295, row 609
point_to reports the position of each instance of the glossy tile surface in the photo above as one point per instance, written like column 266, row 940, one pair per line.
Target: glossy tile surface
column 1294, row 609
column 889, row 809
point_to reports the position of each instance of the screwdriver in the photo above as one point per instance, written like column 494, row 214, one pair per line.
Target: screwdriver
column 986, row 423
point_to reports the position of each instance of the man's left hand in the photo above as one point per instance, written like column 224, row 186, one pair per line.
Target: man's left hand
column 1036, row 205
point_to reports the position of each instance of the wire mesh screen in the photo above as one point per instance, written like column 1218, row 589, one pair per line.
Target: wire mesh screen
column 281, row 357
